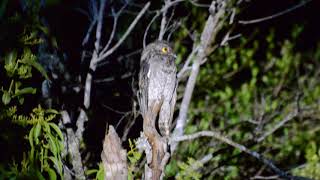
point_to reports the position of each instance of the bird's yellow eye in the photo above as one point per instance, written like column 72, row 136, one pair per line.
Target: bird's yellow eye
column 165, row 50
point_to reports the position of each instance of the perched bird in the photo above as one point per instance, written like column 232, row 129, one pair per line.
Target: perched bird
column 157, row 86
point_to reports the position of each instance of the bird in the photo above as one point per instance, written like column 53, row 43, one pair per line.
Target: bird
column 158, row 86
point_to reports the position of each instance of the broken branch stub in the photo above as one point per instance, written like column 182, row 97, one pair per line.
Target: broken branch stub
column 114, row 157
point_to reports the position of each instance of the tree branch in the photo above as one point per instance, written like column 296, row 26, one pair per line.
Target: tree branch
column 242, row 148
column 245, row 22
column 72, row 143
column 128, row 31
column 287, row 118
column 163, row 21
column 99, row 25
column 212, row 26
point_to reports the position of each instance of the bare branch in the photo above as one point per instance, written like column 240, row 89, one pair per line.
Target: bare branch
column 274, row 15
column 109, row 79
column 228, row 38
column 99, row 25
column 164, row 20
column 96, row 56
column 287, row 118
column 163, row 10
column 115, row 20
column 86, row 39
column 148, row 27
column 186, row 64
column 114, row 27
column 130, row 28
column 80, row 124
column 72, row 143
column 211, row 28
column 195, row 3
column 265, row 177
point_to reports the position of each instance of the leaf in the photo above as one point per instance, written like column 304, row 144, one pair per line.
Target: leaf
column 44, row 29
column 52, row 174
column 40, row 69
column 30, row 138
column 57, row 129
column 21, row 100
column 11, row 57
column 54, row 42
column 24, row 71
column 28, row 90
column 10, row 62
column 57, row 164
column 52, row 144
column 91, row 171
column 100, row 173
column 6, row 98
column 52, row 111
column 46, row 127
column 39, row 175
column 30, row 59
column 37, row 131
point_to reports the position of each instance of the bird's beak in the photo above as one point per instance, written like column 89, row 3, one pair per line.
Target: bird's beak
column 173, row 55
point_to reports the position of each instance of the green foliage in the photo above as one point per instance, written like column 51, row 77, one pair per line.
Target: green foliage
column 188, row 170
column 19, row 69
column 42, row 158
column 134, row 156
column 46, row 144
column 23, row 171
column 244, row 90
column 98, row 172
column 312, row 166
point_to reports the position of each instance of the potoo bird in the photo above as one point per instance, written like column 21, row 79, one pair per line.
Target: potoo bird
column 157, row 85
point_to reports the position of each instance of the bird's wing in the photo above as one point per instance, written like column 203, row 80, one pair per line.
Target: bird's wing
column 143, row 86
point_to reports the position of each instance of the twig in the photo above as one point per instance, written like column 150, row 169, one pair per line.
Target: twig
column 173, row 29
column 193, row 2
column 148, row 27
column 127, row 129
column 265, row 177
column 186, row 64
column 122, row 118
column 274, row 15
column 109, row 79
column 138, row 51
column 242, row 148
column 288, row 117
column 115, row 20
column 228, row 38
column 114, row 110
column 114, row 27
column 164, row 9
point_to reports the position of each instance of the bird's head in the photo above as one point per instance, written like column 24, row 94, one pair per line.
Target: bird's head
column 160, row 48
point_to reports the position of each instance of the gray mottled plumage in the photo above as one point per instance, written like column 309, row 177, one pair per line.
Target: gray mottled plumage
column 157, row 85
